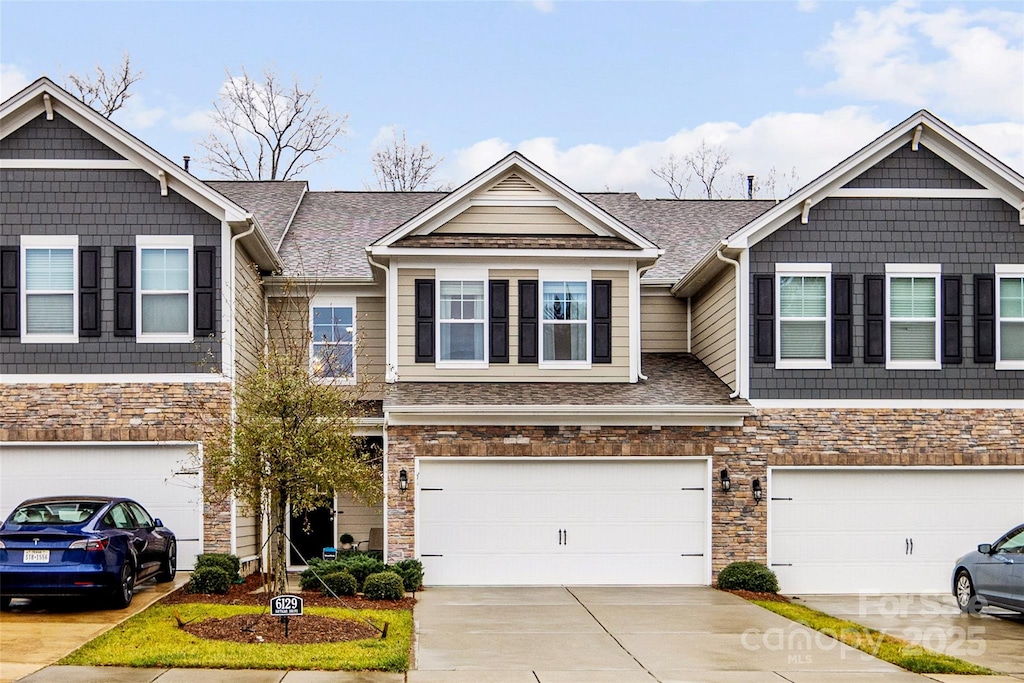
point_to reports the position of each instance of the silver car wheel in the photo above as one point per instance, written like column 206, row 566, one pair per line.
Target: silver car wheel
column 965, row 596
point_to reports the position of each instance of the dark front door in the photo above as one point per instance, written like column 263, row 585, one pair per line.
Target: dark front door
column 310, row 533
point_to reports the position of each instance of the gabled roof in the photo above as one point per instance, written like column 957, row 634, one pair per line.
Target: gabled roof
column 924, row 128
column 274, row 202
column 578, row 207
column 43, row 95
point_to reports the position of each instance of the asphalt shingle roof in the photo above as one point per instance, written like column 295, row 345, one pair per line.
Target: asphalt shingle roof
column 272, row 201
column 673, row 379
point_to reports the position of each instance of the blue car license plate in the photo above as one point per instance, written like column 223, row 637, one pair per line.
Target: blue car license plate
column 37, row 556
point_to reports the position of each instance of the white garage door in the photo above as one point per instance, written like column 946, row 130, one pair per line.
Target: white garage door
column 892, row 531
column 159, row 477
column 552, row 522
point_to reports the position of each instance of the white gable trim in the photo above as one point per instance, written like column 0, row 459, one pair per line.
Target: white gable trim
column 999, row 180
column 565, row 198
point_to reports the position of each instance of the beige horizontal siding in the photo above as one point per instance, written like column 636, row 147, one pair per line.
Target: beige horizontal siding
column 714, row 326
column 249, row 313
column 246, row 536
column 357, row 518
column 662, row 323
column 616, row 371
column 518, row 220
column 371, row 342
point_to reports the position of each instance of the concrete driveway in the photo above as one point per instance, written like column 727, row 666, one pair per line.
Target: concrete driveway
column 623, row 634
column 994, row 639
column 32, row 637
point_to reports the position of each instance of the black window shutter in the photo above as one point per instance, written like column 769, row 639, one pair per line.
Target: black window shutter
column 764, row 318
column 89, row 292
column 984, row 319
column 842, row 318
column 529, row 322
column 952, row 319
column 498, row 321
column 602, row 330
column 424, row 321
column 205, row 320
column 124, row 292
column 874, row 318
column 10, row 297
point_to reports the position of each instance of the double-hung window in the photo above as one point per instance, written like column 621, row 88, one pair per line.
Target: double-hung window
column 804, row 313
column 164, row 288
column 913, row 316
column 565, row 322
column 50, row 294
column 332, row 355
column 1010, row 317
column 462, row 321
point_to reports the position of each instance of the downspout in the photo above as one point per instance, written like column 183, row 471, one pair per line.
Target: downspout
column 388, row 332
column 640, row 356
column 739, row 308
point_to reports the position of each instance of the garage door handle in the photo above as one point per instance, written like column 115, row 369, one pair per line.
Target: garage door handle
column 429, row 555
column 911, row 546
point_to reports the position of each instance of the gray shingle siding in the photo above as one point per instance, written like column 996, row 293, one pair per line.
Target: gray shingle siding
column 906, row 168
column 56, row 139
column 859, row 236
column 105, row 209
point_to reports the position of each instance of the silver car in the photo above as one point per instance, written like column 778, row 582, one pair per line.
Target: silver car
column 992, row 575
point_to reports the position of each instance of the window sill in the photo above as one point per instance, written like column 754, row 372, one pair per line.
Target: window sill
column 564, row 365
column 913, row 365
column 1010, row 365
column 337, row 381
column 49, row 339
column 802, row 364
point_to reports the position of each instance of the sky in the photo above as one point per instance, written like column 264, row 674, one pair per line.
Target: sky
column 597, row 93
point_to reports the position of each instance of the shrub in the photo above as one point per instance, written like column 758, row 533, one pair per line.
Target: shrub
column 340, row 583
column 748, row 576
column 411, row 572
column 383, row 586
column 308, row 580
column 209, row 579
column 229, row 563
column 347, row 538
column 361, row 566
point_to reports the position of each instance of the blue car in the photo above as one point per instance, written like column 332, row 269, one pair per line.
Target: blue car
column 992, row 575
column 82, row 545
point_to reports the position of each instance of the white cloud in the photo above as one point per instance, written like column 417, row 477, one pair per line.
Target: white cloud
column 543, row 6
column 135, row 115
column 197, row 122
column 964, row 61
column 12, row 79
column 809, row 143
column 807, row 5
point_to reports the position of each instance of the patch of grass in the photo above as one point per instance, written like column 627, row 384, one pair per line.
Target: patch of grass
column 887, row 648
column 153, row 639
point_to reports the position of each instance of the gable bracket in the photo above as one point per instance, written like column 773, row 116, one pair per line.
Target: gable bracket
column 162, row 177
column 1022, row 214
column 916, row 142
column 49, row 106
column 805, row 213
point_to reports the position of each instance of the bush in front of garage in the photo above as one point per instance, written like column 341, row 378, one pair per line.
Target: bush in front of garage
column 209, row 579
column 359, row 565
column 384, row 586
column 748, row 576
column 229, row 563
column 339, row 583
column 411, row 572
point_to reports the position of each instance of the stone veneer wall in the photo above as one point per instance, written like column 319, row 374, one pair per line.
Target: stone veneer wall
column 808, row 437
column 137, row 412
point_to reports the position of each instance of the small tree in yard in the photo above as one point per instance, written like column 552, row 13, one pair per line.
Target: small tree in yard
column 291, row 438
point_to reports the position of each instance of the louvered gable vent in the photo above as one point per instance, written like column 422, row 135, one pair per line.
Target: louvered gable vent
column 512, row 185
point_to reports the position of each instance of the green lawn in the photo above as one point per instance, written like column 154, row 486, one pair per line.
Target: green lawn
column 893, row 650
column 152, row 638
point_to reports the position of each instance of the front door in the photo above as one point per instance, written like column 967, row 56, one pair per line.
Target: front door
column 310, row 532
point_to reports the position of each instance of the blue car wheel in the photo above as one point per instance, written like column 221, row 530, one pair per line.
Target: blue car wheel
column 125, row 589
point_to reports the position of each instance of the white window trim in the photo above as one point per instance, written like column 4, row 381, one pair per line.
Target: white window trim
column 803, row 270
column 1015, row 270
column 461, row 275
column 565, row 275
column 49, row 242
column 164, row 242
column 919, row 270
column 335, row 301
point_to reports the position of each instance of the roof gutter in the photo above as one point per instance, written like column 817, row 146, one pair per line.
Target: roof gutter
column 639, row 274
column 739, row 307
column 569, row 415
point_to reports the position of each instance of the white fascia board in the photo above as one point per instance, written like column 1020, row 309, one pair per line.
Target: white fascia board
column 524, row 254
column 560, row 415
column 705, row 270
column 141, row 378
column 886, row 404
column 937, row 136
column 284, row 285
column 462, row 198
column 657, row 283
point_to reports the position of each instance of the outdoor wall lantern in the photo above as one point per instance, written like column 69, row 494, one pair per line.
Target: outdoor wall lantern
column 723, row 478
column 403, row 480
column 758, row 492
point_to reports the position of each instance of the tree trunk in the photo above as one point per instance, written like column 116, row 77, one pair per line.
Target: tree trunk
column 280, row 505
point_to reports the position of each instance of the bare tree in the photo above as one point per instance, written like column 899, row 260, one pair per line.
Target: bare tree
column 269, row 129
column 781, row 183
column 706, row 162
column 401, row 167
column 105, row 91
column 673, row 171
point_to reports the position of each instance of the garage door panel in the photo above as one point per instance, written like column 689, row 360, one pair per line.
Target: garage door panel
column 868, row 530
column 555, row 522
column 161, row 478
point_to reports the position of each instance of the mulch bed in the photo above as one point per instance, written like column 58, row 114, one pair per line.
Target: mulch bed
column 245, row 594
column 752, row 595
column 304, row 630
